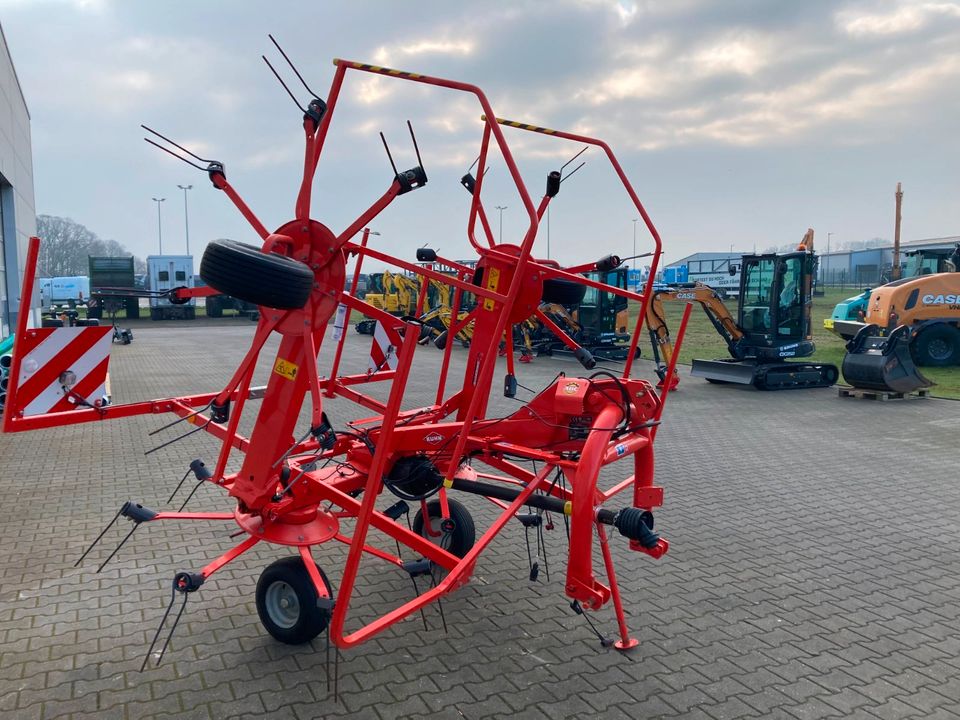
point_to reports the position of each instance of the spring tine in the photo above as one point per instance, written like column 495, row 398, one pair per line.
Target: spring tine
column 280, row 80
column 180, row 420
column 175, row 155
column 389, row 156
column 293, row 67
column 585, row 148
column 176, row 145
column 173, row 628
column 190, row 496
column 416, row 148
column 180, row 485
column 178, row 439
column 163, row 620
column 567, row 177
column 117, row 548
column 100, row 536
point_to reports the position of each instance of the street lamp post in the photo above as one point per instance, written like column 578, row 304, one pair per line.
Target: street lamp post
column 186, row 217
column 159, row 226
column 634, row 263
column 827, row 258
column 548, row 232
column 501, row 208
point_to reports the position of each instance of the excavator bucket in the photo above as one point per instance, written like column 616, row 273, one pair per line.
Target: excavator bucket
column 876, row 362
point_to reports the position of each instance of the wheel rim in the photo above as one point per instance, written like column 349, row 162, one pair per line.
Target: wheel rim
column 939, row 349
column 282, row 604
column 437, row 535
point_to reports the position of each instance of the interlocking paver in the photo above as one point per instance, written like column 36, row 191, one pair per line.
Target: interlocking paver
column 781, row 596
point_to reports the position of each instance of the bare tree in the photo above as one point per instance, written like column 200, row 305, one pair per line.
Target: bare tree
column 66, row 245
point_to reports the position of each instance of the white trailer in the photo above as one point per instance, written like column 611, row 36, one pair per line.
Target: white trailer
column 165, row 272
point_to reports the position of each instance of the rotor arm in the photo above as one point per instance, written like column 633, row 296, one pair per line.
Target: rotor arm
column 219, row 181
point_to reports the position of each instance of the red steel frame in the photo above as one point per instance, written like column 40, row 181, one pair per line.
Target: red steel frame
column 512, row 279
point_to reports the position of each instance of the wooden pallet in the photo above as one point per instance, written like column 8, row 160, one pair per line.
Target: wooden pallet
column 881, row 395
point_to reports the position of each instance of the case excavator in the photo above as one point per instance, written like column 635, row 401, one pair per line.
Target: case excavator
column 772, row 324
column 909, row 322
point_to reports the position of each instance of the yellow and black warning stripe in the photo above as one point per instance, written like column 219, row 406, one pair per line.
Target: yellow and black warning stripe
column 377, row 69
column 522, row 126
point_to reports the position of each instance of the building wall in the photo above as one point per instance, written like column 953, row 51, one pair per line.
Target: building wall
column 18, row 219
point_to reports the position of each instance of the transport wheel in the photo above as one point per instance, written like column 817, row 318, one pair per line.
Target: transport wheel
column 457, row 540
column 287, row 602
column 563, row 292
column 937, row 346
column 244, row 272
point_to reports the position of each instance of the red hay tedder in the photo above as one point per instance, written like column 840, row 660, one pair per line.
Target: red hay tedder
column 291, row 489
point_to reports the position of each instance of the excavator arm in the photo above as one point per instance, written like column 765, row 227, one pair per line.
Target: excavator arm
column 713, row 307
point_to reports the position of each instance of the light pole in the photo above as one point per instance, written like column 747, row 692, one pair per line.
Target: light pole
column 827, row 258
column 634, row 259
column 501, row 208
column 186, row 217
column 159, row 226
column 548, row 232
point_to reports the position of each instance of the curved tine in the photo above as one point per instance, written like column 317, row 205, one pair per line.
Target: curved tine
column 180, row 420
column 193, row 164
column 585, row 148
column 293, row 67
column 280, row 80
column 572, row 171
column 162, row 137
column 415, row 147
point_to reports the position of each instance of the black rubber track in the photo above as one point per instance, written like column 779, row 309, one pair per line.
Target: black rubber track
column 244, row 272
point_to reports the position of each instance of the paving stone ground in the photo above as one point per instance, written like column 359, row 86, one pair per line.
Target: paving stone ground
column 813, row 572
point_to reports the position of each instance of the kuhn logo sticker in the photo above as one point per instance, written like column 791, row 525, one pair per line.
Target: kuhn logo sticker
column 571, row 388
column 434, row 438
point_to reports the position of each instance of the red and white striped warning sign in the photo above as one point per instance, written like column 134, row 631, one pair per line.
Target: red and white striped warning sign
column 383, row 352
column 62, row 369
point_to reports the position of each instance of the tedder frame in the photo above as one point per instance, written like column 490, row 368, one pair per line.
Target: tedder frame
column 287, row 492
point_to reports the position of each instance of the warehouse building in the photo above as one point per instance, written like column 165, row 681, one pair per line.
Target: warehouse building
column 872, row 266
column 18, row 219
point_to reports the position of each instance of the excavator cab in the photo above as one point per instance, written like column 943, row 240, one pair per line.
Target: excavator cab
column 775, row 303
column 602, row 314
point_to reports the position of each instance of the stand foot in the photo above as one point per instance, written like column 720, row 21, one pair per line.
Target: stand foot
column 627, row 644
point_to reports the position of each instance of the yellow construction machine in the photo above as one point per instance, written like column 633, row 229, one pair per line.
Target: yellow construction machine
column 772, row 325
column 909, row 322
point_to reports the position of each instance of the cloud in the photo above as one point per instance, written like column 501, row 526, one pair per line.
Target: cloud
column 901, row 20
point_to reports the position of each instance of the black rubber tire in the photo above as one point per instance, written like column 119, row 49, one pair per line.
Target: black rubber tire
column 563, row 292
column 289, row 577
column 89, row 322
column 464, row 533
column 214, row 308
column 937, row 346
column 244, row 272
column 50, row 322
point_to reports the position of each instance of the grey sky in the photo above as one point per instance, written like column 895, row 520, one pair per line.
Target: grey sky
column 740, row 123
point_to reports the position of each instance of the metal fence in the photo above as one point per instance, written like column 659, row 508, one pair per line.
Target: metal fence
column 862, row 276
